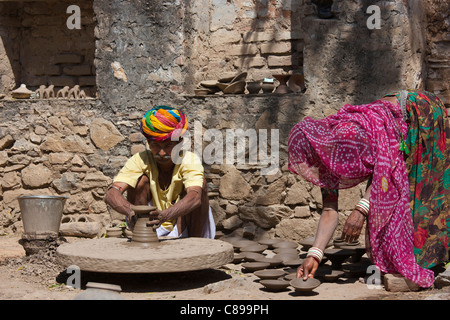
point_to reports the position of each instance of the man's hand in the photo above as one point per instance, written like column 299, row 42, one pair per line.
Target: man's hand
column 353, row 226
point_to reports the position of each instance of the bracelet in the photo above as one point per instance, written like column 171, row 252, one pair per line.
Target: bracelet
column 316, row 253
column 363, row 206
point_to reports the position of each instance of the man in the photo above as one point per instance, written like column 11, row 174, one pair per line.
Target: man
column 176, row 187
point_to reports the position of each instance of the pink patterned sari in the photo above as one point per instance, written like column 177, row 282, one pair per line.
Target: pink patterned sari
column 341, row 151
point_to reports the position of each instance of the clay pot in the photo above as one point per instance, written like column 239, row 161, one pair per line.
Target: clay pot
column 301, row 285
column 21, row 93
column 326, row 273
column 254, row 266
column 267, row 87
column 285, row 250
column 269, row 242
column 201, row 92
column 238, row 257
column 337, row 256
column 293, row 263
column 113, row 232
column 275, row 284
column 286, row 256
column 258, row 248
column 253, row 87
column 243, row 243
column 297, row 83
column 274, row 262
column 253, row 256
column 269, row 274
column 290, row 276
column 235, row 88
column 283, row 79
column 285, row 244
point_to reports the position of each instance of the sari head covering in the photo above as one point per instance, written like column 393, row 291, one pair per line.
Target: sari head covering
column 163, row 123
column 346, row 148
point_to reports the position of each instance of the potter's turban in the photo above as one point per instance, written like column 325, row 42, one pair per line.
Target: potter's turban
column 163, row 123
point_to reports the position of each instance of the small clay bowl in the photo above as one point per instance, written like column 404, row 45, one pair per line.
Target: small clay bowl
column 255, row 266
column 286, row 256
column 327, row 274
column 269, row 273
column 114, row 232
column 274, row 262
column 238, row 257
column 275, row 284
column 258, row 248
column 285, row 244
column 307, row 243
column 307, row 285
column 291, row 276
column 244, row 243
column 285, row 250
column 293, row 263
column 269, row 242
column 252, row 256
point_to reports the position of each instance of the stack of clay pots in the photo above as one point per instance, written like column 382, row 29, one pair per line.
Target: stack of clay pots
column 234, row 84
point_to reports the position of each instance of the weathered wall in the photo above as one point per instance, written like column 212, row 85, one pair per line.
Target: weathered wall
column 148, row 53
column 37, row 48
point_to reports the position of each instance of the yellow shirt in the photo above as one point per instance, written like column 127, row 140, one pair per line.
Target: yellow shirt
column 188, row 173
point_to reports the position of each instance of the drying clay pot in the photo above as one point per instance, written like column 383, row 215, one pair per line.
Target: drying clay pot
column 326, row 273
column 297, row 83
column 267, row 87
column 243, row 243
column 307, row 285
column 269, row 273
column 113, row 232
column 274, row 284
column 337, row 256
column 286, row 256
column 235, row 88
column 290, row 276
column 253, row 87
column 283, row 79
column 238, row 257
column 293, row 263
column 269, row 242
column 258, row 248
column 254, row 266
column 285, row 250
column 274, row 262
column 143, row 209
column 253, row 256
column 285, row 244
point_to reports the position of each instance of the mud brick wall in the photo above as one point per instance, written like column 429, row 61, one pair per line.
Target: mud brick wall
column 39, row 49
column 152, row 52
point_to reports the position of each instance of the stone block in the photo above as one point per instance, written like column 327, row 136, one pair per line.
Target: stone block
column 62, row 81
column 86, row 81
column 397, row 283
column 279, row 61
column 255, row 36
column 276, row 48
column 104, row 134
column 242, row 50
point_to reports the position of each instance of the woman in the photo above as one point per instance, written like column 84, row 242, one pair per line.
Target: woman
column 401, row 143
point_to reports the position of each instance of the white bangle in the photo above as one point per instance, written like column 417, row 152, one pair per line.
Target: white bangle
column 316, row 253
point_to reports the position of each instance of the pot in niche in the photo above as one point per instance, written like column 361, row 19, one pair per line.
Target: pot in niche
column 253, row 87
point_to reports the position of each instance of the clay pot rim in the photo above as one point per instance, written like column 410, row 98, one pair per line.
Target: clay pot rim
column 312, row 284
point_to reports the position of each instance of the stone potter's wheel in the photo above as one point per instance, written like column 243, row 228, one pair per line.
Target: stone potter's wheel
column 145, row 253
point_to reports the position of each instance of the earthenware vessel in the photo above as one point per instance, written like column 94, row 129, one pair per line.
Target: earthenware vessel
column 141, row 231
column 301, row 285
column 238, row 257
column 254, row 266
column 235, row 88
column 267, row 87
column 269, row 273
column 337, row 256
column 275, row 284
column 293, row 262
column 274, row 262
column 258, row 248
column 269, row 242
column 285, row 244
column 297, row 83
column 328, row 274
column 252, row 256
column 113, row 232
column 286, row 256
column 285, row 250
column 290, row 276
column 253, row 87
column 283, row 79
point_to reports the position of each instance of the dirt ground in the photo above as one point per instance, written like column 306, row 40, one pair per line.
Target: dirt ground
column 37, row 277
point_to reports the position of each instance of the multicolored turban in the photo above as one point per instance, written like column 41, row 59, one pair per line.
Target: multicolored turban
column 163, row 123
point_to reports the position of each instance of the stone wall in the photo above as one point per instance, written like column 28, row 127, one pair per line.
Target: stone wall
column 153, row 52
column 37, row 48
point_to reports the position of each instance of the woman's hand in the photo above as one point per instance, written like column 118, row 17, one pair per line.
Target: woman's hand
column 353, row 226
column 308, row 268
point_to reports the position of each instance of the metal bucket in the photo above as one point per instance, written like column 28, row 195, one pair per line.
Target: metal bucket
column 41, row 214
